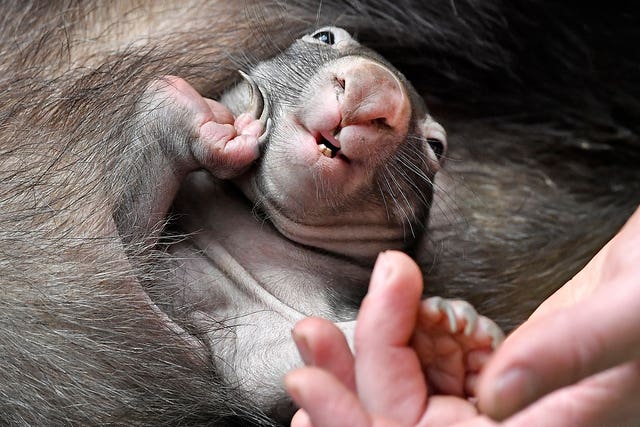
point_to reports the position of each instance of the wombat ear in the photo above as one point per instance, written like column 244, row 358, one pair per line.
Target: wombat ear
column 436, row 138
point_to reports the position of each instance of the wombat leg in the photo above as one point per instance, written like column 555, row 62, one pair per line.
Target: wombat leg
column 221, row 144
column 453, row 342
column 177, row 131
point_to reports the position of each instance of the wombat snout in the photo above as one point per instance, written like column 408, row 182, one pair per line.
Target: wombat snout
column 373, row 94
column 370, row 112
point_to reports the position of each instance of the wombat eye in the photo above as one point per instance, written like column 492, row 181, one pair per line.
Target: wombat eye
column 437, row 146
column 335, row 37
column 325, row 36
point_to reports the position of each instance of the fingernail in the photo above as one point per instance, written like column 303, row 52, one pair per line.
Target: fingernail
column 381, row 271
column 513, row 390
column 303, row 347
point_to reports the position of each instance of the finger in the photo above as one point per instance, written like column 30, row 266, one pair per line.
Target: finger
column 221, row 113
column 559, row 349
column 447, row 410
column 325, row 400
column 321, row 343
column 245, row 124
column 476, row 361
column 395, row 289
column 301, row 419
column 224, row 153
column 478, row 421
column 618, row 259
column 202, row 109
column 389, row 377
column 606, row 399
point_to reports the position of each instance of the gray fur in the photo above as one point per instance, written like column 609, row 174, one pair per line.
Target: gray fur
column 541, row 105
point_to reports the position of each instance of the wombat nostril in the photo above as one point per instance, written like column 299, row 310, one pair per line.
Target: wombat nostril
column 373, row 96
column 381, row 122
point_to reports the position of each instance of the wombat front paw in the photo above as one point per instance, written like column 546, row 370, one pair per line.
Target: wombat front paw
column 227, row 150
column 453, row 342
column 200, row 132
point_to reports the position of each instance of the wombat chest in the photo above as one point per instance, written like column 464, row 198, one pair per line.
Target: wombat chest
column 239, row 258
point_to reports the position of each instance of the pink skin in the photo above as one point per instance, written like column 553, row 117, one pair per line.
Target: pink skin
column 338, row 197
column 576, row 361
column 560, row 368
column 452, row 354
column 215, row 140
column 384, row 384
column 360, row 107
column 223, row 145
column 350, row 109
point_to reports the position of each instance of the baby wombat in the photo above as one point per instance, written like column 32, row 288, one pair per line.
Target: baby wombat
column 347, row 157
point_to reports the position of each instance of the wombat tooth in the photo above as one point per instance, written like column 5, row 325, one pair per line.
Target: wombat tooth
column 326, row 151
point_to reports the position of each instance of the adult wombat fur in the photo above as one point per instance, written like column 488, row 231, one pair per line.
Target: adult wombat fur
column 540, row 102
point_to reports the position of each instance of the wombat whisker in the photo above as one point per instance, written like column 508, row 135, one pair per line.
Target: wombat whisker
column 383, row 197
column 406, row 164
column 402, row 204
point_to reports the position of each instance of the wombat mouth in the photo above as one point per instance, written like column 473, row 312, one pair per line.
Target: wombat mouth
column 326, row 148
column 329, row 146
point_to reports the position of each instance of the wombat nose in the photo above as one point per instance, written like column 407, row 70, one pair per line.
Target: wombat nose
column 373, row 95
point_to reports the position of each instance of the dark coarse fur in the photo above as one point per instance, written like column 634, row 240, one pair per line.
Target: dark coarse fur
column 540, row 101
column 544, row 155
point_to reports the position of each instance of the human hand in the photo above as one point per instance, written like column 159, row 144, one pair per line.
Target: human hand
column 578, row 356
column 404, row 348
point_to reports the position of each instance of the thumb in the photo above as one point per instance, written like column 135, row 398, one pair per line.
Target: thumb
column 561, row 348
column 591, row 324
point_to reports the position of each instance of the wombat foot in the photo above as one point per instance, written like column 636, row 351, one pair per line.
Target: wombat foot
column 453, row 342
column 207, row 134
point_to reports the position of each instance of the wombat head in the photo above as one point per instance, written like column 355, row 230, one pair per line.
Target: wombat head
column 349, row 149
